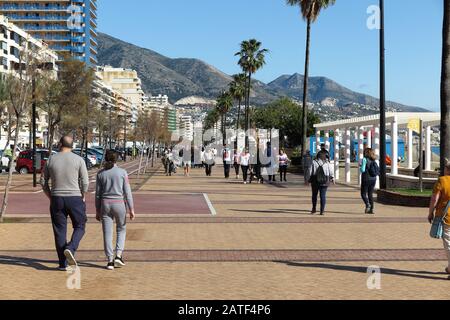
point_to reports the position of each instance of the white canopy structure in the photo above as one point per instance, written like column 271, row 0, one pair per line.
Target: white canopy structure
column 360, row 126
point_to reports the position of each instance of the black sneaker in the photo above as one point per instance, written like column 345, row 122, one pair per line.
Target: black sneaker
column 110, row 266
column 313, row 211
column 118, row 262
column 367, row 210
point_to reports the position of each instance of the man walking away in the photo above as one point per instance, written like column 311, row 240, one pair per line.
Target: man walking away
column 69, row 184
column 322, row 175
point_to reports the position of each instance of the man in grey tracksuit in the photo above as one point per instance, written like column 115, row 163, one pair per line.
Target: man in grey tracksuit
column 113, row 196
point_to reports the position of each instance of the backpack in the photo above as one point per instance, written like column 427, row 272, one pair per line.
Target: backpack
column 321, row 177
column 373, row 169
column 180, row 154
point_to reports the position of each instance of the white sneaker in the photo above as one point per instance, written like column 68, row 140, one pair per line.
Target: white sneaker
column 110, row 266
column 70, row 258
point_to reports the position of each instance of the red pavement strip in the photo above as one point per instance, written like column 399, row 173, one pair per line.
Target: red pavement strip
column 38, row 204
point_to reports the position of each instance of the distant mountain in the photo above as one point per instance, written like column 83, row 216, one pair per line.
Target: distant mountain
column 180, row 78
column 321, row 88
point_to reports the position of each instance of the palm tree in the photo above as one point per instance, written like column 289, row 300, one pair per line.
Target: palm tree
column 224, row 104
column 237, row 90
column 445, row 89
column 310, row 10
column 251, row 59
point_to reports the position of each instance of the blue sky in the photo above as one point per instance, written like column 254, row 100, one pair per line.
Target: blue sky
column 343, row 48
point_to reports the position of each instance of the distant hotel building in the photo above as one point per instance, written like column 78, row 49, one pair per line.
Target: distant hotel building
column 127, row 83
column 68, row 26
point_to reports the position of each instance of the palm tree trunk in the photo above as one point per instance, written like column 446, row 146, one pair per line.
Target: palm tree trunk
column 239, row 115
column 305, row 90
column 10, row 173
column 445, row 89
column 247, row 110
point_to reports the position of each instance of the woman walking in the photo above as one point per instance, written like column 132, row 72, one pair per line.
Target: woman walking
column 237, row 163
column 245, row 164
column 284, row 162
column 322, row 175
column 438, row 206
column 369, row 175
column 112, row 198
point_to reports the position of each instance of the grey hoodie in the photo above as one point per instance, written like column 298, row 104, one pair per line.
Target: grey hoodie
column 113, row 184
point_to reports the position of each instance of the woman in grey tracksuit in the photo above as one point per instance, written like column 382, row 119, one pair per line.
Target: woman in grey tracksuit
column 112, row 199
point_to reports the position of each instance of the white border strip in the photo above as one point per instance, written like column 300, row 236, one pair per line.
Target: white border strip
column 210, row 205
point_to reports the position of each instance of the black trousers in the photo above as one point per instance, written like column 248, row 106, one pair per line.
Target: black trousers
column 226, row 169
column 283, row 173
column 244, row 172
column 208, row 169
column 237, row 167
column 60, row 209
column 367, row 189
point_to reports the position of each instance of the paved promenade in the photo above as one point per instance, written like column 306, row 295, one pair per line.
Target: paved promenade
column 208, row 238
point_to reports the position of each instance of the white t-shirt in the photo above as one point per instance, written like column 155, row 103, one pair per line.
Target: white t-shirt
column 245, row 159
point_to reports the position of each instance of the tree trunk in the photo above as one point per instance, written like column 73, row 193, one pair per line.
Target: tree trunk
column 445, row 89
column 305, row 90
column 238, row 125
column 247, row 110
column 10, row 173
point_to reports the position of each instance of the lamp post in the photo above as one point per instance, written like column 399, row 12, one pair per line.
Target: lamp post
column 383, row 170
column 35, row 158
column 110, row 127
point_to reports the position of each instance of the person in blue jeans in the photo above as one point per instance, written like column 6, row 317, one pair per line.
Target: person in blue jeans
column 369, row 174
column 319, row 164
column 69, row 184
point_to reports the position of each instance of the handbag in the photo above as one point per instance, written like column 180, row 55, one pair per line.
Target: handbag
column 437, row 228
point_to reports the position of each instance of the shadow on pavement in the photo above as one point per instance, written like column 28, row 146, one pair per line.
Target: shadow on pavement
column 38, row 264
column 403, row 273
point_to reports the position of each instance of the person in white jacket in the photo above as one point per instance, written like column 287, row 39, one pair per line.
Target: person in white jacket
column 321, row 175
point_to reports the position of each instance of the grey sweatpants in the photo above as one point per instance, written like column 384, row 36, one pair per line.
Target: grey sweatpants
column 114, row 210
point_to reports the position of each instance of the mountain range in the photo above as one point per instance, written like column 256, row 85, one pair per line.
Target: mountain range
column 183, row 77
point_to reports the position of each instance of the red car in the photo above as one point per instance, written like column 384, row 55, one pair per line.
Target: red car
column 24, row 164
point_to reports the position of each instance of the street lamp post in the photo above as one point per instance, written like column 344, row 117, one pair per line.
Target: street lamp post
column 110, row 127
column 383, row 170
column 35, row 158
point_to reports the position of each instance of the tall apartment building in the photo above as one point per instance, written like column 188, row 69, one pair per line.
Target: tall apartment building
column 68, row 26
column 13, row 42
column 186, row 128
column 127, row 83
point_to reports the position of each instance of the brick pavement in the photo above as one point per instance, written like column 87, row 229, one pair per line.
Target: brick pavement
column 263, row 244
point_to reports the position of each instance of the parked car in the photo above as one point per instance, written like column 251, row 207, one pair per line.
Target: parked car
column 98, row 153
column 91, row 154
column 24, row 164
column 92, row 158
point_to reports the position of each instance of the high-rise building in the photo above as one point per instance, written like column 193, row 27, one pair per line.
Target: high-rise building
column 186, row 128
column 68, row 26
column 127, row 83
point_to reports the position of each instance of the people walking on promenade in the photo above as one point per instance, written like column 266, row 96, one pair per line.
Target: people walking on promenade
column 307, row 162
column 272, row 166
column 209, row 162
column 112, row 199
column 284, row 163
column 323, row 148
column 237, row 163
column 369, row 175
column 170, row 164
column 226, row 157
column 69, row 184
column 438, row 205
column 321, row 175
column 245, row 164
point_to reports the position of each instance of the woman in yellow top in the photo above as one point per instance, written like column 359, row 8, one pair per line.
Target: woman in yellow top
column 439, row 201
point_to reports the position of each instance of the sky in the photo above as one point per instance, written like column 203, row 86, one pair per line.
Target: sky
column 342, row 48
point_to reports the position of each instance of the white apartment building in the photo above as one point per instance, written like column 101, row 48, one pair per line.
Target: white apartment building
column 127, row 83
column 13, row 43
column 186, row 128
